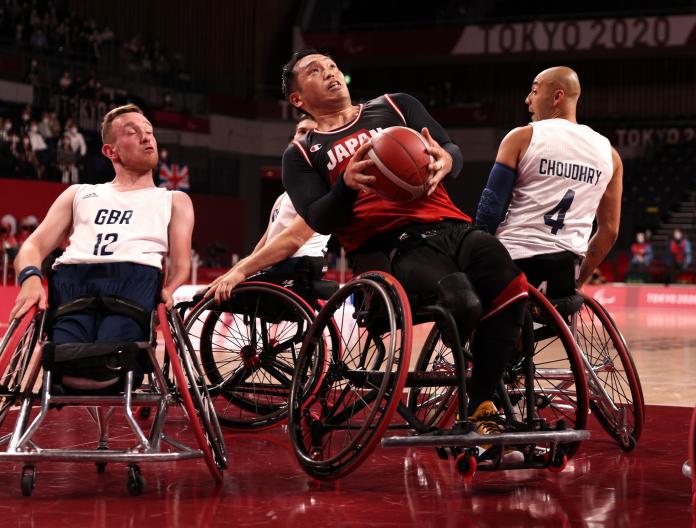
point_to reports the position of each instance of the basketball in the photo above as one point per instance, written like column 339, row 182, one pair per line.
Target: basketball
column 401, row 164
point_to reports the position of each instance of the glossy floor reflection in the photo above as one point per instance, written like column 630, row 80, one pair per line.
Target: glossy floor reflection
column 602, row 487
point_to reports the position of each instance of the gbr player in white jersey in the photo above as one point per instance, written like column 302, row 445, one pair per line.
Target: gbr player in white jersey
column 551, row 179
column 119, row 235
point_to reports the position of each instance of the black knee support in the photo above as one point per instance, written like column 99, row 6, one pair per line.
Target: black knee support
column 456, row 294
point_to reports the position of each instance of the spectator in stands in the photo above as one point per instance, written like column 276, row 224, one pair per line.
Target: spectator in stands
column 6, row 132
column 8, row 242
column 77, row 140
column 25, row 121
column 55, row 125
column 27, row 226
column 641, row 253
column 66, row 158
column 38, row 145
column 25, row 159
column 678, row 254
column 45, row 128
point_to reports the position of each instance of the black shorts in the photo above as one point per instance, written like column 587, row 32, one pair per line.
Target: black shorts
column 298, row 274
column 557, row 270
column 427, row 253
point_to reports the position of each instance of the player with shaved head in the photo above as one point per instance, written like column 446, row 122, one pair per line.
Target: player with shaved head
column 553, row 177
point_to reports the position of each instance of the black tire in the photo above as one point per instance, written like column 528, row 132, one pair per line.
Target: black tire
column 337, row 427
column 136, row 482
column 28, row 480
column 614, row 369
column 248, row 348
column 16, row 350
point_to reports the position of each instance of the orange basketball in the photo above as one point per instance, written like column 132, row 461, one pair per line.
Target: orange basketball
column 401, row 164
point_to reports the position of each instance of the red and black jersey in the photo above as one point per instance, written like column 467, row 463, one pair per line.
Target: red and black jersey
column 313, row 175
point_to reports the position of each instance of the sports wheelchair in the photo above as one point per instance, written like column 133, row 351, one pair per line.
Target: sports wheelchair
column 333, row 428
column 615, row 393
column 67, row 381
column 249, row 345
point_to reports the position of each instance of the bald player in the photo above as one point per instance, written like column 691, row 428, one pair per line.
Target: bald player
column 553, row 177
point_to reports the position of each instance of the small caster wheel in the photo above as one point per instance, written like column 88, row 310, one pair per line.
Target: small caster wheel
column 144, row 413
column 627, row 443
column 101, row 466
column 136, row 482
column 466, row 464
column 557, row 465
column 28, row 480
column 441, row 453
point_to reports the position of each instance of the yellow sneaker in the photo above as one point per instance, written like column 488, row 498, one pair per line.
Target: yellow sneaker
column 487, row 422
column 485, row 418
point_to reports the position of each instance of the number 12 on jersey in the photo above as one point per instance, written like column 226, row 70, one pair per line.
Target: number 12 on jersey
column 561, row 208
column 103, row 241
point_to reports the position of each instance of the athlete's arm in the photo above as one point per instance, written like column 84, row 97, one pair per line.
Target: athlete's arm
column 262, row 240
column 281, row 247
column 608, row 219
column 323, row 207
column 47, row 237
column 495, row 198
column 418, row 118
column 179, row 232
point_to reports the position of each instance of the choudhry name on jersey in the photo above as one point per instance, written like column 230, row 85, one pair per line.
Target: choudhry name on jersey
column 572, row 171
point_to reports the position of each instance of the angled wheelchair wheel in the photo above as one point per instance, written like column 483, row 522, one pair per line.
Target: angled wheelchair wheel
column 552, row 389
column 339, row 424
column 616, row 396
column 16, row 352
column 192, row 390
column 434, row 406
column 248, row 348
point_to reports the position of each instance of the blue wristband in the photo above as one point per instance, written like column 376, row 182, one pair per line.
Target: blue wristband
column 27, row 272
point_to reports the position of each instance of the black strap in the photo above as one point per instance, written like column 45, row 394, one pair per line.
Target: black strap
column 109, row 304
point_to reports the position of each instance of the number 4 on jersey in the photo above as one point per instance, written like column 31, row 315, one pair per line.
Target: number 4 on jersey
column 561, row 208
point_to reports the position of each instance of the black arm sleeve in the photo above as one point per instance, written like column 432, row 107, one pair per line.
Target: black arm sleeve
column 417, row 117
column 323, row 207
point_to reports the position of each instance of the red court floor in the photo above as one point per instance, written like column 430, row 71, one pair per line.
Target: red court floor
column 601, row 487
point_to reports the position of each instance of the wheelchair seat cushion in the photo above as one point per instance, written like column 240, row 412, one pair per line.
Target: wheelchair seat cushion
column 568, row 305
column 87, row 366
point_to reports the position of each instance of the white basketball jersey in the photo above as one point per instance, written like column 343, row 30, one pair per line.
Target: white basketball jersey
column 560, row 181
column 113, row 226
column 282, row 215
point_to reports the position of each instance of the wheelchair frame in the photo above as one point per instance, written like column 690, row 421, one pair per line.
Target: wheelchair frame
column 186, row 388
column 616, row 396
column 370, row 385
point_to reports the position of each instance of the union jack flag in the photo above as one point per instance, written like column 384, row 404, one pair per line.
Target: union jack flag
column 174, row 177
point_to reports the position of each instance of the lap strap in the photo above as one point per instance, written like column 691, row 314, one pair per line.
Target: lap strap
column 109, row 304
